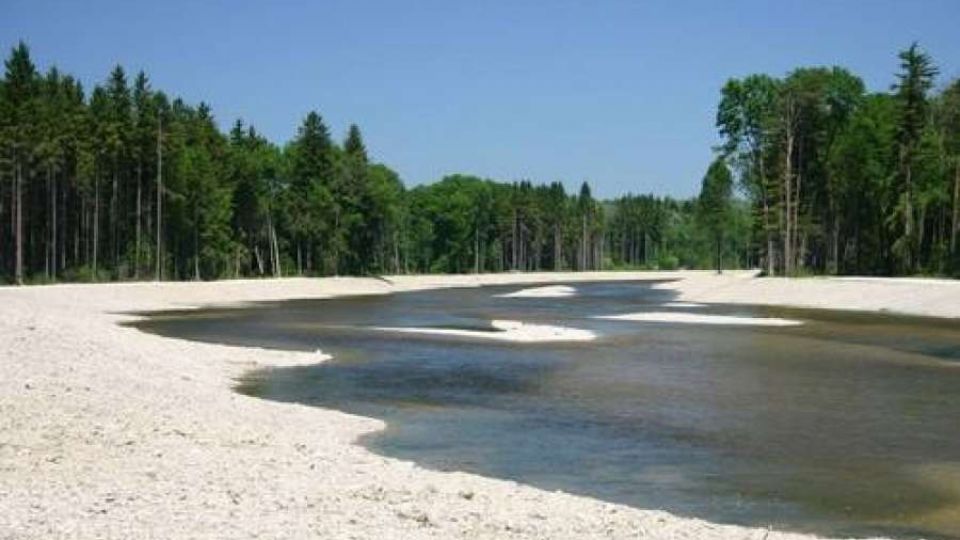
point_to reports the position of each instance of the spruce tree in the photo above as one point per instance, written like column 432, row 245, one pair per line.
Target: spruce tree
column 914, row 82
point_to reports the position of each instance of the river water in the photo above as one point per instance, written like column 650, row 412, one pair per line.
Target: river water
column 848, row 424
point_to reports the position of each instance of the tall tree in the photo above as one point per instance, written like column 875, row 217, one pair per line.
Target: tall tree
column 715, row 205
column 914, row 82
column 20, row 98
column 948, row 119
column 116, row 133
column 355, row 204
column 746, row 118
column 586, row 207
column 312, row 211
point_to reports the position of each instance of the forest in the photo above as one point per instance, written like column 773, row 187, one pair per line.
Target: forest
column 845, row 181
column 125, row 182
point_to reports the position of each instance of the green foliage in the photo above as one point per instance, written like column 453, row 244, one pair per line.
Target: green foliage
column 714, row 207
column 668, row 262
column 128, row 183
column 842, row 181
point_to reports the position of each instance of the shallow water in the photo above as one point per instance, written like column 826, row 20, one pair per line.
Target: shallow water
column 848, row 424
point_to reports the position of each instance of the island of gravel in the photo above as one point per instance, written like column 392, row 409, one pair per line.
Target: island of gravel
column 109, row 432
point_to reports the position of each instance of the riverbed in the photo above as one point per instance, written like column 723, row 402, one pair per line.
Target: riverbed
column 838, row 423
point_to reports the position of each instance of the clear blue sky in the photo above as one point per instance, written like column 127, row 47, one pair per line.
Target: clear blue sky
column 620, row 93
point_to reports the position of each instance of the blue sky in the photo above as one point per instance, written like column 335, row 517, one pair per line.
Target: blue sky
column 620, row 93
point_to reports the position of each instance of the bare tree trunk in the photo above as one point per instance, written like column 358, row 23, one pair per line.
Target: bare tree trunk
column 136, row 258
column 770, row 247
column 765, row 201
column 274, row 249
column 159, row 257
column 96, row 222
column 258, row 259
column 114, row 222
column 788, row 197
column 18, row 272
column 47, row 243
column 64, row 229
column 795, row 250
column 53, row 233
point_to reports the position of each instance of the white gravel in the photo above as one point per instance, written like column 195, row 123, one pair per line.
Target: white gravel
column 549, row 291
column 512, row 331
column 108, row 432
column 674, row 317
column 683, row 305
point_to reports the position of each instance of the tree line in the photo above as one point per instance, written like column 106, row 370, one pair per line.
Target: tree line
column 125, row 182
column 845, row 181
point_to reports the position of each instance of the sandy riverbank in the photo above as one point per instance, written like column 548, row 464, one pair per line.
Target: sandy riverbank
column 109, row 432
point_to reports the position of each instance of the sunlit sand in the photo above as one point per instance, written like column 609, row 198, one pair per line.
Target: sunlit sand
column 514, row 331
column 695, row 318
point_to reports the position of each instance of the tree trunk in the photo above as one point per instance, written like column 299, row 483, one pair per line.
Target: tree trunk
column 513, row 241
column 114, row 223
column 258, row 259
column 788, row 198
column 396, row 251
column 274, row 250
column 78, row 230
column 96, row 222
column 49, row 241
column 835, row 265
column 771, row 267
column 63, row 217
column 719, row 260
column 476, row 249
column 583, row 242
column 18, row 272
column 921, row 228
column 556, row 247
column 136, row 258
column 53, row 232
column 336, row 243
column 196, row 243
column 299, row 258
column 159, row 260
column 956, row 207
column 795, row 250
column 909, row 224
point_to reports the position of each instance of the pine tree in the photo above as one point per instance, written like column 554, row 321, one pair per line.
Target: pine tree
column 312, row 211
column 585, row 205
column 715, row 206
column 143, row 133
column 20, row 96
column 355, row 200
column 914, row 82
